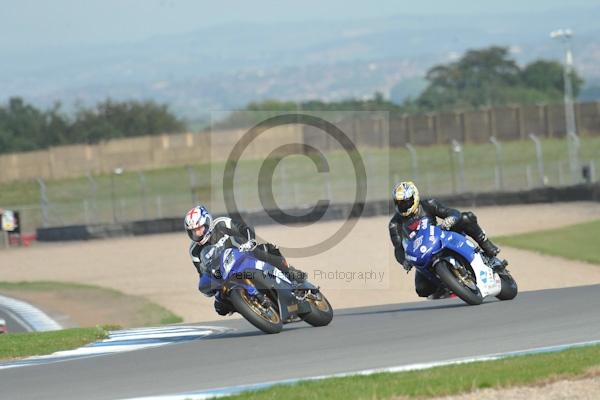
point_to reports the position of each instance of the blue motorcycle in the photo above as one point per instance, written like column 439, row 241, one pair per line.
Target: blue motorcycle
column 451, row 259
column 262, row 293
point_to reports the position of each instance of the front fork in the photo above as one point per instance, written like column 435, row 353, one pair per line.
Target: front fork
column 245, row 284
column 458, row 269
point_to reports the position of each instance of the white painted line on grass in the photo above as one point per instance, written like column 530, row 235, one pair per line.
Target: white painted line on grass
column 125, row 340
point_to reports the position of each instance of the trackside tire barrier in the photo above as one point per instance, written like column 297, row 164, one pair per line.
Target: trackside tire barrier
column 334, row 212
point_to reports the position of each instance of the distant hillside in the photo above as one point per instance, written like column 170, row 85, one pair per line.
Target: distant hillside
column 228, row 66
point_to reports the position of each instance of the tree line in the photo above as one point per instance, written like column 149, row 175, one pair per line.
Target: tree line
column 23, row 127
column 480, row 78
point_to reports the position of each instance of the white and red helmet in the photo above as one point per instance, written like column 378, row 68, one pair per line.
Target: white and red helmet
column 195, row 219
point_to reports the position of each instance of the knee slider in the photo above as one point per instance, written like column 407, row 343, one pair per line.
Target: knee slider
column 423, row 290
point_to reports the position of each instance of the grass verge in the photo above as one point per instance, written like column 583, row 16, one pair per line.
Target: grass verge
column 88, row 305
column 440, row 381
column 18, row 345
column 577, row 242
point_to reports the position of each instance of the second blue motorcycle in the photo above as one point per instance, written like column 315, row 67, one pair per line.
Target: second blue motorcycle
column 451, row 259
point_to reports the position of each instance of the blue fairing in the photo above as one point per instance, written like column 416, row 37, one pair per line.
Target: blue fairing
column 459, row 244
column 231, row 265
column 428, row 240
column 234, row 262
column 235, row 269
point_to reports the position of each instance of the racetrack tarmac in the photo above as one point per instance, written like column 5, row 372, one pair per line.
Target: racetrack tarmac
column 360, row 338
column 158, row 267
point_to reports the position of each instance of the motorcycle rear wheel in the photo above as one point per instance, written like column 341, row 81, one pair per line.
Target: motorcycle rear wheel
column 469, row 296
column 265, row 319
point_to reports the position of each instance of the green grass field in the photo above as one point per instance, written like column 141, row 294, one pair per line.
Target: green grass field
column 296, row 182
column 577, row 242
column 440, row 381
column 18, row 345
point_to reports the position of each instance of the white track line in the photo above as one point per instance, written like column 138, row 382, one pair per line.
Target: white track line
column 125, row 340
column 221, row 392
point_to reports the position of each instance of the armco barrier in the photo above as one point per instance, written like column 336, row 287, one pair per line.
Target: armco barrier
column 335, row 212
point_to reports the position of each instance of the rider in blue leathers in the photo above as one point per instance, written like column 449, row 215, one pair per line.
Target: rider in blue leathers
column 409, row 208
column 203, row 230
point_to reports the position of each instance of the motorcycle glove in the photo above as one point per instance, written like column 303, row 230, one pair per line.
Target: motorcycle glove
column 448, row 223
column 407, row 266
column 248, row 246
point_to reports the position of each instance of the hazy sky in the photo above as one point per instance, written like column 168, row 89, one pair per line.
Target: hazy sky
column 26, row 24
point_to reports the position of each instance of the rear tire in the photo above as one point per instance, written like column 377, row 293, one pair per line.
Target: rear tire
column 509, row 286
column 321, row 312
column 245, row 305
column 444, row 271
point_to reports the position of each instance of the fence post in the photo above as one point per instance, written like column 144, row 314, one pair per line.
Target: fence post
column 414, row 161
column 117, row 171
column 159, row 207
column 192, row 180
column 540, row 157
column 94, row 190
column 427, row 183
column 574, row 145
column 143, row 192
column 457, row 149
column 499, row 164
column 436, row 127
column 561, row 179
column 409, row 129
column 112, row 198
column 548, row 120
column 491, row 122
column 86, row 212
column 528, row 176
column 519, row 118
column 43, row 202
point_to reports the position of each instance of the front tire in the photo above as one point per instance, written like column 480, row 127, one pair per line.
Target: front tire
column 265, row 319
column 321, row 312
column 445, row 271
column 509, row 286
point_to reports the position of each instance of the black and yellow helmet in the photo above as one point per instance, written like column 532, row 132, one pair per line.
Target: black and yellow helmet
column 406, row 198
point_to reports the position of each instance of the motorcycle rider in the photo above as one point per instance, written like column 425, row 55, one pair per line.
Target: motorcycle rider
column 409, row 209
column 203, row 230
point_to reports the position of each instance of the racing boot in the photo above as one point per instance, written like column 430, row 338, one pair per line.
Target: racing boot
column 489, row 248
column 223, row 306
column 497, row 264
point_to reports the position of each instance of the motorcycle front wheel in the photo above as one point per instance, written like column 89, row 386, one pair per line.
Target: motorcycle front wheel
column 321, row 312
column 458, row 284
column 264, row 317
